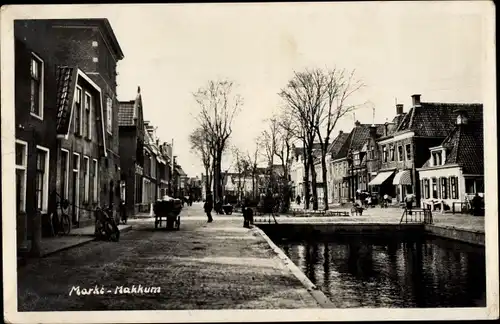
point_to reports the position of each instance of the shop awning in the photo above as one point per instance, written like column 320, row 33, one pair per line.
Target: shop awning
column 380, row 178
column 402, row 178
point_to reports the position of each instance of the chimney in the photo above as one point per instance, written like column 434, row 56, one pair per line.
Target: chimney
column 386, row 128
column 341, row 132
column 357, row 123
column 373, row 131
column 399, row 109
column 462, row 118
column 415, row 100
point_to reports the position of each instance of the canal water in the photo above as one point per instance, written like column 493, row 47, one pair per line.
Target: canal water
column 355, row 271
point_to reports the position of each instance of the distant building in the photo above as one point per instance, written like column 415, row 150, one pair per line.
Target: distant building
column 131, row 131
column 350, row 163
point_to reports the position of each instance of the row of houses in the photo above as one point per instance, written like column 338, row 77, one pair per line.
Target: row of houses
column 147, row 163
column 434, row 150
column 239, row 186
column 74, row 139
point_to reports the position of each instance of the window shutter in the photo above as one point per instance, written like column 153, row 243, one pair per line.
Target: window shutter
column 438, row 187
column 422, row 190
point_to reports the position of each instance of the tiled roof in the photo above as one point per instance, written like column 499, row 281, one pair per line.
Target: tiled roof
column 337, row 143
column 357, row 138
column 129, row 111
column 66, row 79
column 179, row 170
column 126, row 113
column 398, row 118
column 435, row 119
column 465, row 144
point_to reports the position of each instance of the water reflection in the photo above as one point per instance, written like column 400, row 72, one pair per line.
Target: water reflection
column 363, row 272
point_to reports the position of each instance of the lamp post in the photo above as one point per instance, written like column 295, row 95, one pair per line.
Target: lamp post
column 351, row 163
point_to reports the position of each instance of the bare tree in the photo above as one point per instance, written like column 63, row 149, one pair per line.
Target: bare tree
column 286, row 136
column 242, row 170
column 335, row 87
column 200, row 145
column 218, row 106
column 253, row 168
column 269, row 140
column 303, row 101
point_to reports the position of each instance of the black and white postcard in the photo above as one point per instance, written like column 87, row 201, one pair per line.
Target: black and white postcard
column 331, row 161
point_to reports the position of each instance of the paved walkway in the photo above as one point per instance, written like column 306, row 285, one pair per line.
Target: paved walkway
column 385, row 216
column 76, row 237
column 218, row 265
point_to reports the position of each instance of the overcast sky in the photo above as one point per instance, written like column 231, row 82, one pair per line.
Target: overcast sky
column 398, row 49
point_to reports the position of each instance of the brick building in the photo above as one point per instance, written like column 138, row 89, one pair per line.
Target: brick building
column 425, row 125
column 63, row 66
column 349, row 165
column 131, row 133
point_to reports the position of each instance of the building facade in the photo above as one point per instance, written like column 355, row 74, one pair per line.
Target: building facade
column 454, row 172
column 406, row 149
column 131, row 133
column 66, row 74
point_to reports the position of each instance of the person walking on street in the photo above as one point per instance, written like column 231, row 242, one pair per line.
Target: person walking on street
column 409, row 202
column 208, row 206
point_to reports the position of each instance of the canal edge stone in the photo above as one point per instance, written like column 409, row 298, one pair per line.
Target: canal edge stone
column 317, row 294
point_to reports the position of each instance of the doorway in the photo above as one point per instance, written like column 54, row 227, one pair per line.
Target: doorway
column 75, row 192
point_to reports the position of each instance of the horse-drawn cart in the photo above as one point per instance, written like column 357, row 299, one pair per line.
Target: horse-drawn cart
column 168, row 210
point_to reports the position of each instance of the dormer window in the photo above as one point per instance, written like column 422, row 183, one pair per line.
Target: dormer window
column 461, row 117
column 436, row 156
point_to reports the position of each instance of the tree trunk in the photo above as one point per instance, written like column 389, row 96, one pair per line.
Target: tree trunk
column 313, row 182
column 325, row 184
column 207, row 181
column 253, row 185
column 215, row 179
column 307, row 195
column 219, row 171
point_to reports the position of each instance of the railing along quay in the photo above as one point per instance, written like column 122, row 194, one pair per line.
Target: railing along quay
column 416, row 216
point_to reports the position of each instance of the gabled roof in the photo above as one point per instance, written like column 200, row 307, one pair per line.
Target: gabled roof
column 67, row 78
column 357, row 138
column 130, row 111
column 432, row 119
column 337, row 143
column 465, row 147
column 180, row 171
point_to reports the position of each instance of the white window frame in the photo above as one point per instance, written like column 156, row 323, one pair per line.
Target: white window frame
column 86, row 179
column 41, row 88
column 90, row 109
column 23, row 167
column 45, row 190
column 77, row 186
column 81, row 109
column 109, row 115
column 96, row 180
column 66, row 186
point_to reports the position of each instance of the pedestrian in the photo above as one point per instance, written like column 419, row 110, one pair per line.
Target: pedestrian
column 476, row 205
column 298, row 199
column 208, row 207
column 246, row 220
column 386, row 200
column 409, row 202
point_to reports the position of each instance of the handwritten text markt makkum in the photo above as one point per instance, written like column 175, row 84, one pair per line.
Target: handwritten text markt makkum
column 118, row 290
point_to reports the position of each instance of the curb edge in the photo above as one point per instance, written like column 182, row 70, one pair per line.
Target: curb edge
column 317, row 294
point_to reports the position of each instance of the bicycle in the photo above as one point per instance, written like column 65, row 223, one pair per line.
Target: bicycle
column 105, row 225
column 60, row 224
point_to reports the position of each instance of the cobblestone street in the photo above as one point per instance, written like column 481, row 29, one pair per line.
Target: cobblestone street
column 218, row 265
